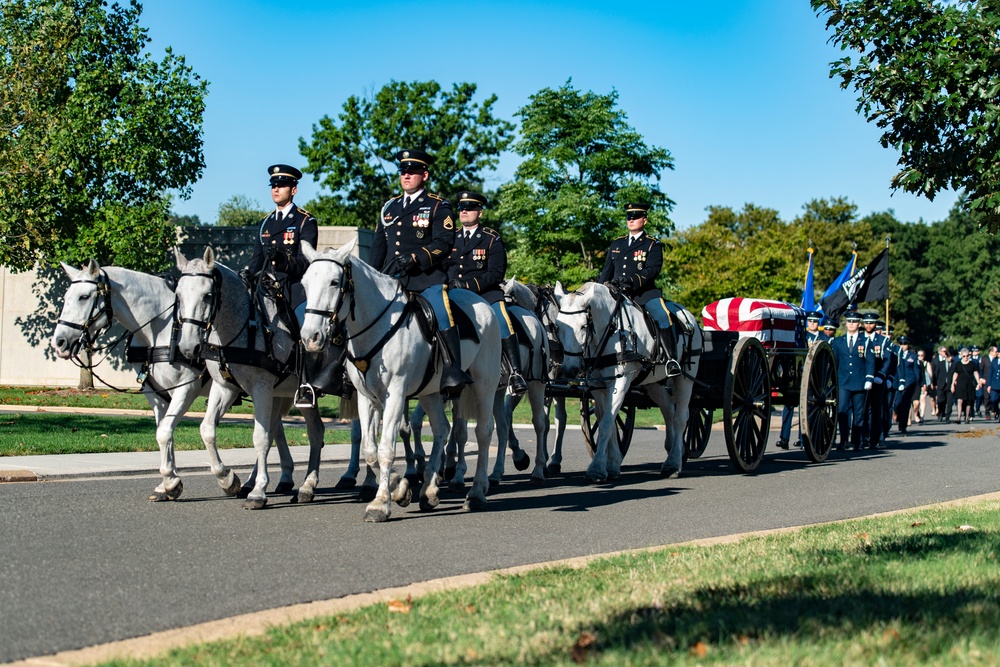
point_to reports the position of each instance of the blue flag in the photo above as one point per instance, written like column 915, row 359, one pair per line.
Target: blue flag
column 808, row 293
column 841, row 279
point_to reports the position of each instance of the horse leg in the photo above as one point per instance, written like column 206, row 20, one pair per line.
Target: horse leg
column 316, row 431
column 502, row 409
column 380, row 508
column 540, row 420
column 419, row 455
column 257, row 499
column 614, row 455
column 476, row 500
column 451, row 451
column 414, row 466
column 370, row 484
column 555, row 463
column 518, row 456
column 429, row 492
column 170, row 487
column 350, row 477
column 287, row 481
column 220, row 398
column 676, row 418
column 459, row 436
column 597, row 471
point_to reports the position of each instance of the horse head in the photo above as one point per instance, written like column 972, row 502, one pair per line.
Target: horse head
column 199, row 293
column 86, row 309
column 329, row 289
column 582, row 324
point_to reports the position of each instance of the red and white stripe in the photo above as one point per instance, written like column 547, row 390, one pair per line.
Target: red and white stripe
column 774, row 323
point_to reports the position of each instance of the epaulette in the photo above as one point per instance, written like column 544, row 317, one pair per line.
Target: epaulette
column 625, row 236
column 305, row 212
column 430, row 196
column 491, row 232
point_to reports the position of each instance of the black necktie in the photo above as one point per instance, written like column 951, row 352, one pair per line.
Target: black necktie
column 631, row 240
column 278, row 217
column 406, row 201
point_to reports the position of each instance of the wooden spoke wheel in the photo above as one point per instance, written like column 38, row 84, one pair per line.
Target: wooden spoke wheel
column 697, row 432
column 818, row 402
column 624, row 423
column 746, row 404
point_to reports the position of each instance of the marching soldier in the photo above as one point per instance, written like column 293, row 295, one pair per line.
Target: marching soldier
column 909, row 382
column 634, row 261
column 478, row 263
column 855, row 372
column 875, row 405
column 415, row 233
column 813, row 336
column 829, row 328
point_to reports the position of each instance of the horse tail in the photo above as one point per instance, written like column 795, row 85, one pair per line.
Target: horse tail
column 348, row 407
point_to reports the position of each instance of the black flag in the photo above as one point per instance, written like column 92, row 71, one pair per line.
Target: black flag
column 869, row 284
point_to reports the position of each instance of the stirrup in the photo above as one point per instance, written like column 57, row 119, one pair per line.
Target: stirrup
column 673, row 368
column 516, row 386
column 305, row 396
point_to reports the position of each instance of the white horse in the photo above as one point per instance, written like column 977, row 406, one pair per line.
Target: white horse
column 213, row 308
column 144, row 305
column 541, row 302
column 390, row 360
column 592, row 327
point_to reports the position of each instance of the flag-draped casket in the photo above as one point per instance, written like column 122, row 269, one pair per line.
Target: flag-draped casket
column 778, row 325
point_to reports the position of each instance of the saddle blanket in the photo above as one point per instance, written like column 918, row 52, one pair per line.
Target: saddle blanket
column 775, row 324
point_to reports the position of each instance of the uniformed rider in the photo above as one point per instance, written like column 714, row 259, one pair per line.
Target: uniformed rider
column 279, row 239
column 414, row 236
column 633, row 264
column 478, row 263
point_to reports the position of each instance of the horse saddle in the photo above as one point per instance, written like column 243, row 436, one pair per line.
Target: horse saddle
column 427, row 321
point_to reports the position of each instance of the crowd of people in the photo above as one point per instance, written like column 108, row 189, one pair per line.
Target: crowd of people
column 882, row 382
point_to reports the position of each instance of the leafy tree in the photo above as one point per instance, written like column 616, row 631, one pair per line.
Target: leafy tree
column 177, row 220
column 240, row 211
column 582, row 162
column 93, row 133
column 928, row 74
column 352, row 156
column 751, row 253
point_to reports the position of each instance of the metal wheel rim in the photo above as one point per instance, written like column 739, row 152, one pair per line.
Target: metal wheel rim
column 747, row 405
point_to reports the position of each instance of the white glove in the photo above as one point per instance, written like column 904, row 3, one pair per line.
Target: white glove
column 878, row 380
column 902, row 386
column 868, row 385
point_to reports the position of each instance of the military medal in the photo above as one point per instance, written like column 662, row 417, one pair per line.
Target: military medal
column 420, row 233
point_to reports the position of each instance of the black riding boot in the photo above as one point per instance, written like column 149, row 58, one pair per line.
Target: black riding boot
column 669, row 338
column 453, row 378
column 516, row 386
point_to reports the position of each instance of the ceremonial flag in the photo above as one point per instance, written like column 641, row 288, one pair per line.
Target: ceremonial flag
column 840, row 280
column 808, row 292
column 869, row 284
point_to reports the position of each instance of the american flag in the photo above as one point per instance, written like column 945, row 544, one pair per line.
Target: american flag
column 775, row 323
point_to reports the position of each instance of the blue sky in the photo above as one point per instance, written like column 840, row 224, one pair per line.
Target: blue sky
column 738, row 92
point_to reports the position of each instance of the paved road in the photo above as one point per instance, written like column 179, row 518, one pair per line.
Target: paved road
column 90, row 561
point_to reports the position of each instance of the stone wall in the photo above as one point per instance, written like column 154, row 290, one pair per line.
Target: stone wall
column 26, row 322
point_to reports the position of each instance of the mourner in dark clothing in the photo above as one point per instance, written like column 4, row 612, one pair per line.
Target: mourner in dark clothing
column 941, row 369
column 964, row 380
column 478, row 263
column 993, row 383
column 855, row 361
column 633, row 264
column 278, row 242
column 414, row 235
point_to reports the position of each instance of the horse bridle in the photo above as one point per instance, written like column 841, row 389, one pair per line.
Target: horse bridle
column 216, row 277
column 101, row 306
column 346, row 287
column 591, row 335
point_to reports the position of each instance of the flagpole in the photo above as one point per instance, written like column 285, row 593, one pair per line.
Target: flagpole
column 888, row 237
column 805, row 283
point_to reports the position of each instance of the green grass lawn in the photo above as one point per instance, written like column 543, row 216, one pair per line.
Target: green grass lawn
column 28, row 434
column 915, row 588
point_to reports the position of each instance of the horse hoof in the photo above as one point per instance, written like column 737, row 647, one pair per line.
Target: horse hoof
column 474, row 505
column 233, row 488
column 284, row 487
column 670, row 472
column 169, row 494
column 376, row 516
column 405, row 499
column 427, row 504
column 596, row 479
column 254, row 503
column 244, row 491
column 304, row 496
column 553, row 469
column 367, row 493
column 521, row 459
column 537, row 481
column 346, row 483
column 494, row 483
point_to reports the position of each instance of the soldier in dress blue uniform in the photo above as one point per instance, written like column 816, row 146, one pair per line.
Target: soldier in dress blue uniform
column 414, row 236
column 478, row 263
column 813, row 336
column 855, row 361
column 633, row 264
column 875, row 405
column 909, row 382
column 829, row 329
column 279, row 239
column 891, row 374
